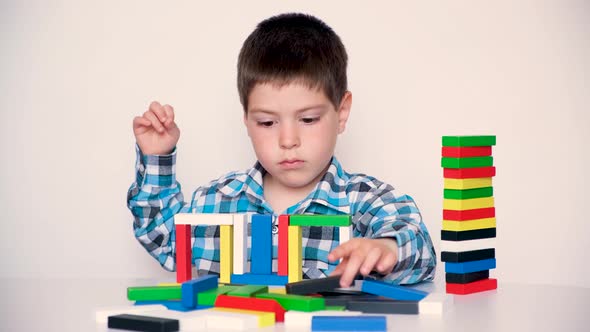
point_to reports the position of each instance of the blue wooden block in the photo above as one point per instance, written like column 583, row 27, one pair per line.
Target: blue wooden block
column 259, row 279
column 396, row 292
column 473, row 266
column 261, row 244
column 349, row 323
column 190, row 289
column 173, row 305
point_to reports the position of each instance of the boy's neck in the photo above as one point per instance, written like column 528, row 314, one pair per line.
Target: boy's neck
column 281, row 197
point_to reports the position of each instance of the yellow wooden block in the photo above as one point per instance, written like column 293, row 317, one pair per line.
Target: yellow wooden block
column 277, row 290
column 264, row 318
column 226, row 240
column 468, row 204
column 295, row 254
column 169, row 284
column 468, row 183
column 468, row 225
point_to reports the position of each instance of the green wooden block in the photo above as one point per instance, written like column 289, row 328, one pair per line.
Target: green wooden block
column 154, row 293
column 335, row 307
column 468, row 140
column 248, row 290
column 471, row 162
column 296, row 302
column 469, row 193
column 319, row 220
column 209, row 297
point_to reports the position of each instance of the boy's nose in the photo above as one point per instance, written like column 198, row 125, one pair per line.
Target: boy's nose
column 289, row 138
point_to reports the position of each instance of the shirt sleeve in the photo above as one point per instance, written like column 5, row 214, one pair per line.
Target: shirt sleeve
column 153, row 199
column 380, row 213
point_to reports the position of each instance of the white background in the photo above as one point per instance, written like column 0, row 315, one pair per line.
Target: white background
column 74, row 74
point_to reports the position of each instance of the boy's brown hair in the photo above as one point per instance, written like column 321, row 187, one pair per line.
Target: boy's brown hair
column 290, row 48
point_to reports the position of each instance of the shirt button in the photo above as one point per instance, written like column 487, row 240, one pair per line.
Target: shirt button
column 275, row 229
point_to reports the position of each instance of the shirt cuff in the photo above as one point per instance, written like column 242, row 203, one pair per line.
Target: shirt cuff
column 156, row 170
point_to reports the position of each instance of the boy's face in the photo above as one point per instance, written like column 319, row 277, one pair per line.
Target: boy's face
column 293, row 130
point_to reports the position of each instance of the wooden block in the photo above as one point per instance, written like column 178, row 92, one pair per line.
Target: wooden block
column 469, row 214
column 261, row 244
column 207, row 298
column 459, row 246
column 301, row 321
column 463, row 184
column 142, row 323
column 226, row 253
column 462, row 141
column 296, row 302
column 469, row 173
column 468, row 204
column 295, row 254
column 319, row 220
column 469, row 193
column 468, row 225
column 183, row 253
column 204, row 219
column 248, row 290
column 435, row 304
column 468, row 235
column 345, row 234
column 260, row 279
column 392, row 291
column 190, row 289
column 467, row 162
column 240, row 244
column 234, row 321
column 473, row 266
column 249, row 303
column 154, row 293
column 381, row 306
column 473, row 287
column 467, row 256
column 468, row 151
column 283, row 260
column 349, row 323
column 465, row 278
column 312, row 286
column 264, row 319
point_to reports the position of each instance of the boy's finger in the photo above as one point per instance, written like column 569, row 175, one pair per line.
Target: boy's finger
column 351, row 270
column 372, row 258
column 160, row 113
column 387, row 263
column 341, row 251
column 149, row 115
column 339, row 269
column 169, row 113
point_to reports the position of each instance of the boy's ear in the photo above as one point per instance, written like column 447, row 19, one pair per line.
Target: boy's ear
column 246, row 123
column 344, row 111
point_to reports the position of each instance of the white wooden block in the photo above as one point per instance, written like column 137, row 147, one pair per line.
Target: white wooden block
column 299, row 320
column 102, row 314
column 204, row 219
column 458, row 246
column 240, row 243
column 345, row 233
column 231, row 321
column 435, row 304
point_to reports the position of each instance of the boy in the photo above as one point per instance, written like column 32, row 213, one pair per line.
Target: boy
column 293, row 88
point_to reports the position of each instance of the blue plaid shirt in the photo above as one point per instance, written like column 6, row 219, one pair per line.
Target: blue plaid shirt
column 377, row 212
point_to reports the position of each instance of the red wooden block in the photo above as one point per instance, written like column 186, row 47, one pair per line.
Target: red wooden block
column 463, row 152
column 472, row 287
column 469, row 214
column 283, row 268
column 469, row 173
column 183, row 253
column 251, row 303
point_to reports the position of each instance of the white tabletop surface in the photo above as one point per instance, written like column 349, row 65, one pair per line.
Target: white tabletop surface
column 70, row 305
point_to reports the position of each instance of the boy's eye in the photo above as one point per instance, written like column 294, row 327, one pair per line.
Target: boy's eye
column 310, row 120
column 265, row 123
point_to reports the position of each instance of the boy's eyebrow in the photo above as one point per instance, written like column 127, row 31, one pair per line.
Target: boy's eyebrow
column 307, row 108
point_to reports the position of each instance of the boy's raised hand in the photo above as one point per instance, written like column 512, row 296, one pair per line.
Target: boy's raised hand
column 155, row 131
column 362, row 255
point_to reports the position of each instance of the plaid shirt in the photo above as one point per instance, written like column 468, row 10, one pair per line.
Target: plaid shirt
column 377, row 212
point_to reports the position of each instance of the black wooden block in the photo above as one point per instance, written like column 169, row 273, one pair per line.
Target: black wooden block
column 143, row 323
column 460, row 278
column 467, row 256
column 468, row 235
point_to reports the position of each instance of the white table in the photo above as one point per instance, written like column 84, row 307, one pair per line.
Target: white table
column 70, row 304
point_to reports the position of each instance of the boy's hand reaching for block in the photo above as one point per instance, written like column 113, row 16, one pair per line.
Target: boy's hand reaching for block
column 362, row 255
column 155, row 131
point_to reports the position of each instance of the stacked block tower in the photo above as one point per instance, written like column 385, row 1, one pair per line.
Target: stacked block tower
column 469, row 216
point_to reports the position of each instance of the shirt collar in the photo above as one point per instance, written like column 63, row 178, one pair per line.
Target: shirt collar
column 329, row 192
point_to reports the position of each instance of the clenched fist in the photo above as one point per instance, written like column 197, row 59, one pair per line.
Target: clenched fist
column 155, row 131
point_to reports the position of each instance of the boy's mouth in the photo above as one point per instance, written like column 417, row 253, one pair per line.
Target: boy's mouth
column 291, row 163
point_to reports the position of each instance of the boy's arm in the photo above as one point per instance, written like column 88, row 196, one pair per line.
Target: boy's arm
column 153, row 199
column 383, row 215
